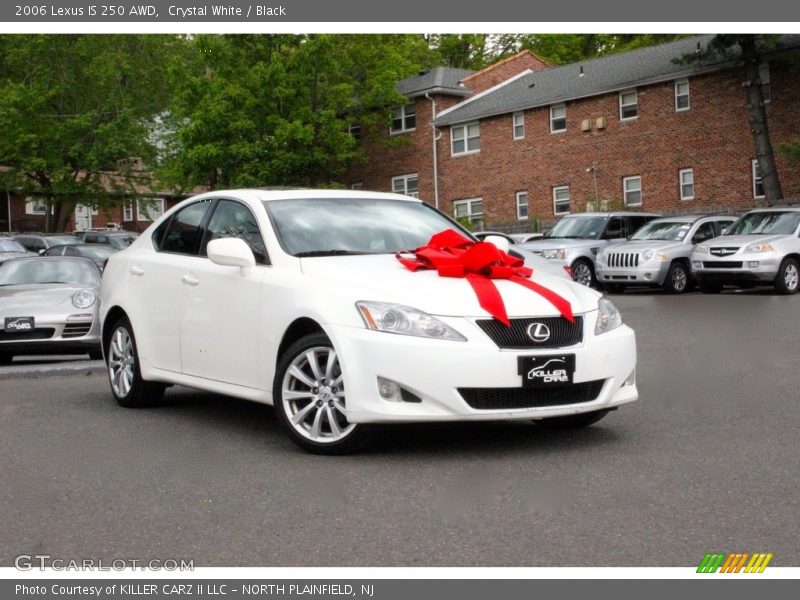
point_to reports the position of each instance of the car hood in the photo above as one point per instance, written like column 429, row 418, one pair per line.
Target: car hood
column 382, row 278
column 29, row 298
column 642, row 245
column 555, row 243
column 724, row 241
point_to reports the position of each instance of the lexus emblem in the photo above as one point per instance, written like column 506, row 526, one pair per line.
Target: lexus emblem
column 538, row 332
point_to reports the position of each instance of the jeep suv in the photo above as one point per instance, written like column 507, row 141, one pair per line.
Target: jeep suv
column 761, row 248
column 578, row 238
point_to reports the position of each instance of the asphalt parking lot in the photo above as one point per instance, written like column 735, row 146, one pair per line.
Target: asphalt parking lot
column 707, row 460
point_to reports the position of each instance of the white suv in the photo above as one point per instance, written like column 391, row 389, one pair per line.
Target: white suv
column 761, row 248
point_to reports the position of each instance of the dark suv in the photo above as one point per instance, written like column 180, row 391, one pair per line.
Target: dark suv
column 39, row 242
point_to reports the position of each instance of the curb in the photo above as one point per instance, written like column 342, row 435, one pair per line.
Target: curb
column 87, row 368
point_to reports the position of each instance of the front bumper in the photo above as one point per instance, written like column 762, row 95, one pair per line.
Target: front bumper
column 433, row 370
column 736, row 268
column 67, row 334
column 642, row 275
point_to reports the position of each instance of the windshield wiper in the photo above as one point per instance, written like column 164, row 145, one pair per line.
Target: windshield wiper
column 311, row 253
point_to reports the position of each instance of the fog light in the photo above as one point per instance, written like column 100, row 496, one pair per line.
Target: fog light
column 697, row 264
column 388, row 390
column 631, row 380
column 648, row 275
column 752, row 264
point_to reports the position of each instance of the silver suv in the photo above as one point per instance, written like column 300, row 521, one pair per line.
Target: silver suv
column 659, row 254
column 576, row 239
column 761, row 248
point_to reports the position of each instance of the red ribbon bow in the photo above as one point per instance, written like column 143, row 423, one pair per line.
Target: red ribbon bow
column 453, row 255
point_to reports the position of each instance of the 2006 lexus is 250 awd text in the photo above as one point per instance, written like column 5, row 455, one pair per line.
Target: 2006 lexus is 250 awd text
column 347, row 309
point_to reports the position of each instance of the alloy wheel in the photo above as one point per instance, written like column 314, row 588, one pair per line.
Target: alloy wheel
column 582, row 274
column 679, row 279
column 121, row 360
column 791, row 277
column 313, row 396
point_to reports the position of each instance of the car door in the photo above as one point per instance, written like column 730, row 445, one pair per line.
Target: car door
column 220, row 326
column 159, row 278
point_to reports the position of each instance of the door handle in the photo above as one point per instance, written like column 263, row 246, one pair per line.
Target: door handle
column 189, row 280
column 138, row 271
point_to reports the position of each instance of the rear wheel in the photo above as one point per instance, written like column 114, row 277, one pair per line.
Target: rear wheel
column 127, row 385
column 310, row 398
column 678, row 279
column 583, row 272
column 787, row 280
column 573, row 421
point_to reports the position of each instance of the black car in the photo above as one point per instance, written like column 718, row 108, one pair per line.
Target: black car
column 39, row 242
column 99, row 253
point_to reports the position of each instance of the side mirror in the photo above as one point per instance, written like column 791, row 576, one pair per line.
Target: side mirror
column 498, row 242
column 231, row 252
column 42, row 251
column 699, row 237
column 723, row 231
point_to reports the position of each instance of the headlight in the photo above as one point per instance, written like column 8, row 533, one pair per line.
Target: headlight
column 759, row 248
column 560, row 253
column 83, row 298
column 404, row 320
column 608, row 317
column 602, row 256
column 701, row 249
column 647, row 254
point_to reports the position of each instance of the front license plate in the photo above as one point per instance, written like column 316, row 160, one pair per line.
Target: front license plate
column 19, row 324
column 547, row 371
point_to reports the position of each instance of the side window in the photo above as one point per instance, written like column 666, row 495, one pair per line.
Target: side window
column 55, row 251
column 27, row 243
column 232, row 219
column 636, row 223
column 70, row 251
column 90, row 238
column 720, row 226
column 616, row 228
column 705, row 232
column 185, row 232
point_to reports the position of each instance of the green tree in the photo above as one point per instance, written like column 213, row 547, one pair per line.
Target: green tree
column 71, row 106
column 569, row 48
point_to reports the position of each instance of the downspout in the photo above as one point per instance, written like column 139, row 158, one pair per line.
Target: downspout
column 435, row 135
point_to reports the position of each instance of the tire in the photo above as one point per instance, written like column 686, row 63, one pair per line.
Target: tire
column 125, row 378
column 710, row 288
column 678, row 279
column 583, row 272
column 96, row 354
column 314, row 417
column 787, row 281
column 6, row 358
column 578, row 421
column 614, row 288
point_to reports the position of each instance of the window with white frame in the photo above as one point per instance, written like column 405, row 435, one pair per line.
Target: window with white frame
column 763, row 76
column 355, row 130
column 465, row 139
column 35, row 206
column 758, row 182
column 628, row 105
column 149, row 209
column 404, row 118
column 686, row 182
column 682, row 95
column 406, row 184
column 471, row 209
column 522, row 206
column 357, row 186
column 127, row 211
column 518, row 122
column 632, row 190
column 558, row 118
column 561, row 200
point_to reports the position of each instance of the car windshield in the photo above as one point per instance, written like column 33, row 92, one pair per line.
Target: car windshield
column 23, row 271
column 11, row 246
column 97, row 251
column 60, row 240
column 672, row 231
column 766, row 223
column 339, row 226
column 121, row 241
column 585, row 227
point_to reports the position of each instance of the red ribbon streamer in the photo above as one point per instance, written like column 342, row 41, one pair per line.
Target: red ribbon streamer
column 452, row 255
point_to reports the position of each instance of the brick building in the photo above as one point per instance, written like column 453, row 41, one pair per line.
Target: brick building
column 641, row 129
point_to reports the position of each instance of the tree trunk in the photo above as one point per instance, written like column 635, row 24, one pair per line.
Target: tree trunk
column 758, row 123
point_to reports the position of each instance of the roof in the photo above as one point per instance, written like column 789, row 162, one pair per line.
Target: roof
column 441, row 80
column 592, row 77
column 613, row 213
column 506, row 60
column 261, row 195
column 692, row 218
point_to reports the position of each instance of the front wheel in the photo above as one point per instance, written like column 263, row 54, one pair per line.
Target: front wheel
column 583, row 272
column 678, row 279
column 127, row 385
column 310, row 398
column 788, row 278
column 578, row 421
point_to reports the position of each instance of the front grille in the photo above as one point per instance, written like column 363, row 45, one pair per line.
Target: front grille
column 39, row 333
column 562, row 332
column 623, row 259
column 73, row 330
column 722, row 264
column 727, row 251
column 505, row 398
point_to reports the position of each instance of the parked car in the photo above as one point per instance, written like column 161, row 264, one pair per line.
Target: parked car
column 39, row 242
column 576, row 239
column 658, row 254
column 10, row 248
column 521, row 238
column 553, row 267
column 761, row 248
column 297, row 299
column 118, row 239
column 49, row 306
column 99, row 253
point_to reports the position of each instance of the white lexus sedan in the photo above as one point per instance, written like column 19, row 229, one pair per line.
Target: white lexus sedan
column 297, row 299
